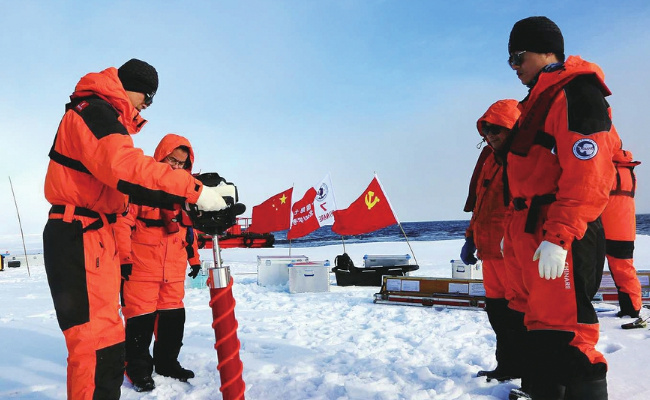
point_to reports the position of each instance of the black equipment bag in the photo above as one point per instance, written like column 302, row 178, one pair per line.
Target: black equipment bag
column 349, row 275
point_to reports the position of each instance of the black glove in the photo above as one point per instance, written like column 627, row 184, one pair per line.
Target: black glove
column 467, row 252
column 195, row 271
column 125, row 270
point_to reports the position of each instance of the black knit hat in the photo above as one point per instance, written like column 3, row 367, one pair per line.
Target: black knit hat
column 138, row 76
column 536, row 34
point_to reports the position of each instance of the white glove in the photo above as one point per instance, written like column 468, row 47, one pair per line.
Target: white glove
column 210, row 199
column 227, row 190
column 551, row 260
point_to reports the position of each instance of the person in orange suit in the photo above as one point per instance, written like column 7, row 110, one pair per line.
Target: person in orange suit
column 559, row 173
column 94, row 170
column 155, row 246
column 486, row 228
column 619, row 222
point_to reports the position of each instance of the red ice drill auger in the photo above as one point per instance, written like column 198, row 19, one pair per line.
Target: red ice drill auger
column 220, row 282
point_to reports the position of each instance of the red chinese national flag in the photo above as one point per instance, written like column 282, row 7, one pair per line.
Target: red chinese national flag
column 370, row 212
column 304, row 218
column 272, row 215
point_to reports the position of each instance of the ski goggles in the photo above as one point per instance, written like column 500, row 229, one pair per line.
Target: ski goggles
column 516, row 59
column 148, row 98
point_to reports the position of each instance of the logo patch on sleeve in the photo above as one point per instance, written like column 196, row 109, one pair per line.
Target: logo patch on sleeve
column 80, row 107
column 585, row 149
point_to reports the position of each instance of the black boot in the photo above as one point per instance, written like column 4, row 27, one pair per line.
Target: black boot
column 560, row 369
column 169, row 339
column 543, row 377
column 139, row 364
column 497, row 374
column 518, row 394
column 509, row 329
column 145, row 384
column 589, row 390
column 522, row 393
column 627, row 309
column 547, row 391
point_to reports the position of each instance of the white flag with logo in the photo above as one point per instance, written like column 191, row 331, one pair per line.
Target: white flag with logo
column 324, row 203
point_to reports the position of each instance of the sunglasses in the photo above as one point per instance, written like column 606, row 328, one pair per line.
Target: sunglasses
column 148, row 98
column 492, row 130
column 516, row 59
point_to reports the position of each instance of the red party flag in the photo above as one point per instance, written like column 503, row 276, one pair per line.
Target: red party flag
column 304, row 219
column 272, row 215
column 370, row 212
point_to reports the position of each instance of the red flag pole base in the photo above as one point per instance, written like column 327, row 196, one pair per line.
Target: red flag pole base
column 227, row 345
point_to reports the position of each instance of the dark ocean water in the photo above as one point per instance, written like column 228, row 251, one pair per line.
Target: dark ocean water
column 416, row 231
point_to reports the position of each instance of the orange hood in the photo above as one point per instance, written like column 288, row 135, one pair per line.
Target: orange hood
column 503, row 113
column 169, row 143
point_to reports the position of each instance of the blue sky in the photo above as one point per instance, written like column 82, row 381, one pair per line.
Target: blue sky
column 274, row 94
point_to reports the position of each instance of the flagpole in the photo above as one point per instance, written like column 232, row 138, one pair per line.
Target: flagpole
column 396, row 219
column 21, row 227
column 343, row 241
column 407, row 242
column 290, row 217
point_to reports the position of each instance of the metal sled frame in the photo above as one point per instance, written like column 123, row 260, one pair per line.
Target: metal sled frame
column 432, row 292
column 449, row 292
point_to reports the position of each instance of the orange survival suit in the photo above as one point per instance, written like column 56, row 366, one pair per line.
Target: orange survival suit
column 93, row 167
column 560, row 171
column 489, row 210
column 619, row 222
column 486, row 227
column 158, row 243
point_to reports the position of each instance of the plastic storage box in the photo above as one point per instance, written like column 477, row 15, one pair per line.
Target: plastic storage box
column 274, row 270
column 371, row 260
column 309, row 276
column 460, row 270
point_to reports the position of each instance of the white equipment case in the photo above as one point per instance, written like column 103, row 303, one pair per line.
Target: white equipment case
column 274, row 270
column 309, row 276
column 460, row 270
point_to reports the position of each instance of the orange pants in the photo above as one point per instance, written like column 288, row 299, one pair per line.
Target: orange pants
column 561, row 321
column 508, row 325
column 83, row 272
column 518, row 293
column 152, row 308
column 619, row 222
column 144, row 297
column 495, row 279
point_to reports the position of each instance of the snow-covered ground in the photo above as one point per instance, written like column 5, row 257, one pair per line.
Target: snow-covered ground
column 334, row 345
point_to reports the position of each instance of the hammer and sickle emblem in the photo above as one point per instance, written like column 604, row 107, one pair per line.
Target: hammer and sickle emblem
column 371, row 200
